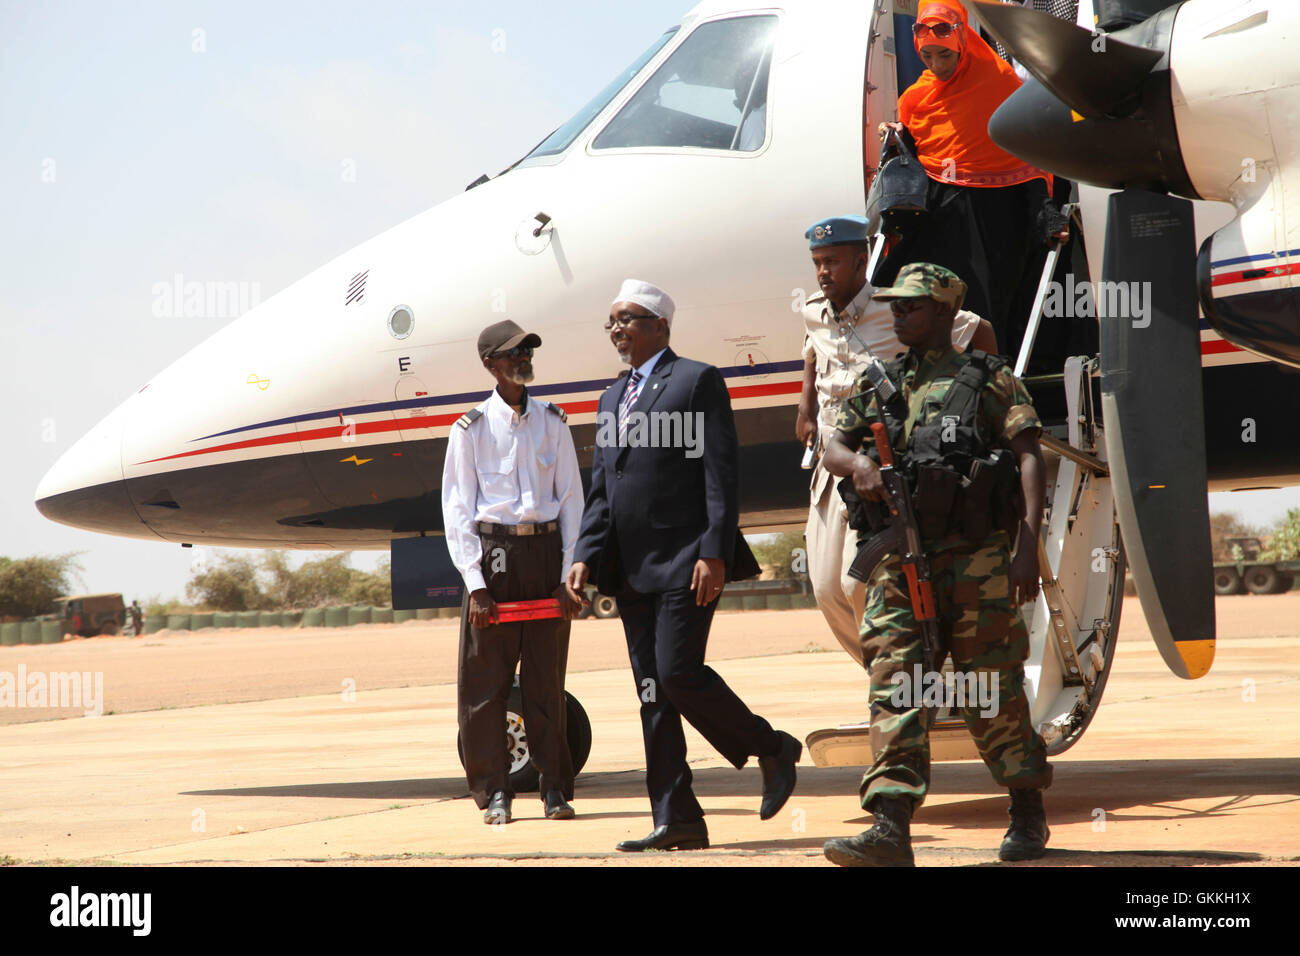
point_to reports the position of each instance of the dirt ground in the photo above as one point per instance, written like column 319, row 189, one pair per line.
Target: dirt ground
column 337, row 746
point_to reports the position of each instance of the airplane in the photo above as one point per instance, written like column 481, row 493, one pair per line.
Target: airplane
column 319, row 419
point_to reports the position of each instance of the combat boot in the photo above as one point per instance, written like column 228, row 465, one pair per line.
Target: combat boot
column 1026, row 838
column 887, row 843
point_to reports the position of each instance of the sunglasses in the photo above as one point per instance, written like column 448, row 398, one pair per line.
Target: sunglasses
column 519, row 351
column 624, row 319
column 940, row 31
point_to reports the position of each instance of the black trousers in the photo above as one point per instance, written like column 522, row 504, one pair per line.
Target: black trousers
column 667, row 634
column 515, row 569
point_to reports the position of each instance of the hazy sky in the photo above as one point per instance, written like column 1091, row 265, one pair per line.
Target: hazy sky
column 147, row 140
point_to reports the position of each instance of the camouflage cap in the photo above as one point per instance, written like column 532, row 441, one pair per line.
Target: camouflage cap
column 925, row 280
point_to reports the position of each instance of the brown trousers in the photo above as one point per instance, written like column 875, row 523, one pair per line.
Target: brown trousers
column 516, row 568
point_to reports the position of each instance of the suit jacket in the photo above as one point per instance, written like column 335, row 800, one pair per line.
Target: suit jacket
column 653, row 511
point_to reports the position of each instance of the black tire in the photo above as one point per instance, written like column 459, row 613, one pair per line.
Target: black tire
column 1226, row 581
column 524, row 778
column 584, row 612
column 604, row 607
column 1262, row 579
column 108, row 628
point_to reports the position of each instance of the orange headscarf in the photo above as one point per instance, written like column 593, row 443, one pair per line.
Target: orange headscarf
column 949, row 119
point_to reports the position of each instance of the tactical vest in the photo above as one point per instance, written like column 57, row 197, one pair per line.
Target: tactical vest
column 959, row 486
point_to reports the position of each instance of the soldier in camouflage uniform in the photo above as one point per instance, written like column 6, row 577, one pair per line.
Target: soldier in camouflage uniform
column 978, row 588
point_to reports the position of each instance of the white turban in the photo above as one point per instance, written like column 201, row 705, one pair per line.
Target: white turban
column 649, row 297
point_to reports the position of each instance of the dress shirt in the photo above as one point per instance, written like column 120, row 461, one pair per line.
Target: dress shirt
column 509, row 468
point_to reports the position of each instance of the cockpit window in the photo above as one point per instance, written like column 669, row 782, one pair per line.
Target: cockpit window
column 710, row 94
column 559, row 141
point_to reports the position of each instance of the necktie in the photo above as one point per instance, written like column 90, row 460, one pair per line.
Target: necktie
column 625, row 406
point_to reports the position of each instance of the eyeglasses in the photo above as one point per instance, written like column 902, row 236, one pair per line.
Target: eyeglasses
column 519, row 351
column 624, row 319
column 940, row 31
column 904, row 306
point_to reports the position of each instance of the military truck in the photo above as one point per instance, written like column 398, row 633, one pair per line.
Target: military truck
column 1246, row 572
column 87, row 615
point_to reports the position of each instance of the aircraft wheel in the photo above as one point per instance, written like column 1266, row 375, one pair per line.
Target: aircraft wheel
column 1227, row 582
column 1261, row 579
column 604, row 606
column 524, row 777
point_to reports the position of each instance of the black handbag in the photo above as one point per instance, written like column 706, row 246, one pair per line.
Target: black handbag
column 898, row 193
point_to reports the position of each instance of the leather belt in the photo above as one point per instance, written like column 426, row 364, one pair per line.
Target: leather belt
column 522, row 529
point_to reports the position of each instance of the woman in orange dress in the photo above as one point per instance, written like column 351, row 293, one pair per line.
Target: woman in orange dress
column 991, row 215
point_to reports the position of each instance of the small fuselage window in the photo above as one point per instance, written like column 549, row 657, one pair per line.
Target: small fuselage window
column 711, row 93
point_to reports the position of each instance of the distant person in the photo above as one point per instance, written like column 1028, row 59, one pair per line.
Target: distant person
column 660, row 532
column 990, row 214
column 137, row 619
column 511, row 505
column 843, row 329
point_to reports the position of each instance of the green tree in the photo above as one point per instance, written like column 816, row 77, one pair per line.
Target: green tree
column 230, row 584
column 28, row 586
column 1286, row 536
column 785, row 555
column 372, row 587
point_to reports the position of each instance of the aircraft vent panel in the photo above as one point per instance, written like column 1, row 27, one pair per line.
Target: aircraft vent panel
column 357, row 289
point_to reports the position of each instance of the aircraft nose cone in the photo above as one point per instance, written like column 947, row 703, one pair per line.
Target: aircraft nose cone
column 85, row 487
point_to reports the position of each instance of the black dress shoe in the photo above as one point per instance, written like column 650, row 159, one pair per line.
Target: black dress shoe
column 557, row 808
column 674, row 836
column 498, row 810
column 779, row 775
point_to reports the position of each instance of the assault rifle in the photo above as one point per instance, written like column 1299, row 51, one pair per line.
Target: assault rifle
column 903, row 538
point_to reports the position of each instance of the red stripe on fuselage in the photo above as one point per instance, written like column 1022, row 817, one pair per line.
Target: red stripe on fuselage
column 428, row 421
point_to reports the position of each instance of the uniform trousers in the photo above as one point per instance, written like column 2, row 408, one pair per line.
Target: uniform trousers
column 986, row 637
column 515, row 568
column 667, row 634
column 832, row 546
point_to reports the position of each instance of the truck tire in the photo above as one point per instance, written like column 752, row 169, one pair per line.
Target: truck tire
column 1262, row 579
column 604, row 606
column 1226, row 581
column 524, row 776
column 108, row 628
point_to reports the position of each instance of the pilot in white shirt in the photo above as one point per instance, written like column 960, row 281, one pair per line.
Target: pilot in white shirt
column 511, row 504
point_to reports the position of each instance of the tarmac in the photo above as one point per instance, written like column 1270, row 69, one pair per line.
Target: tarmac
column 338, row 747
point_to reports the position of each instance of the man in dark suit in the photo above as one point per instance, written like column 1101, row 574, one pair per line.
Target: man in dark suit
column 659, row 532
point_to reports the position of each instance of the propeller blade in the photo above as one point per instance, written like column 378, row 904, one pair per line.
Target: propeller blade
column 1096, row 75
column 1155, row 420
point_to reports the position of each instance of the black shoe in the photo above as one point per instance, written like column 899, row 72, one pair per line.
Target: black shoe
column 887, row 843
column 674, row 836
column 779, row 775
column 1026, row 838
column 498, row 810
column 557, row 808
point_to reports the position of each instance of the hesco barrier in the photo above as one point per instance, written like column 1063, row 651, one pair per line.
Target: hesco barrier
column 155, row 623
column 30, row 632
column 268, row 618
column 11, row 634
column 51, row 632
column 401, row 617
column 223, row 619
column 178, row 622
column 358, row 615
column 381, row 615
column 313, row 617
column 449, row 612
column 336, row 617
column 426, row 613
column 199, row 622
column 247, row 618
column 290, row 618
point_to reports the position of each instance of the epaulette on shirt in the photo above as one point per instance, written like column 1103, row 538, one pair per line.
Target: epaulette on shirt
column 556, row 410
column 470, row 417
